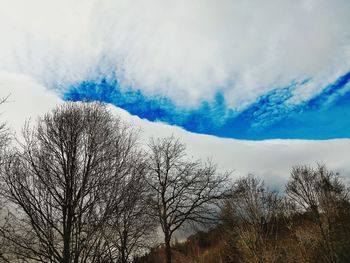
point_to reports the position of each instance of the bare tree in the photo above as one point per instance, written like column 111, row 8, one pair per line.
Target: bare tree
column 4, row 135
column 321, row 193
column 62, row 186
column 254, row 211
column 130, row 228
column 184, row 191
column 5, row 139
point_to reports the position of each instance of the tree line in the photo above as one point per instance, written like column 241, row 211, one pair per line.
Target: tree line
column 308, row 222
column 81, row 186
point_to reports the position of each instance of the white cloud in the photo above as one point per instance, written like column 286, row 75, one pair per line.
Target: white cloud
column 190, row 49
column 181, row 49
column 27, row 99
column 271, row 159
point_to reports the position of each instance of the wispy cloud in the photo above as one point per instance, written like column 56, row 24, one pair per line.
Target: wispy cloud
column 269, row 159
column 228, row 67
column 324, row 116
column 243, row 48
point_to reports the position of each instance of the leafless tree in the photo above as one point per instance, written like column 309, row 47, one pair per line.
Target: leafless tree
column 321, row 193
column 63, row 185
column 183, row 190
column 130, row 229
column 254, row 212
column 5, row 139
column 4, row 135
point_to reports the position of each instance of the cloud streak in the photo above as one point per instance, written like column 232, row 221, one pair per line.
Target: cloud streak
column 269, row 159
column 325, row 116
column 231, row 68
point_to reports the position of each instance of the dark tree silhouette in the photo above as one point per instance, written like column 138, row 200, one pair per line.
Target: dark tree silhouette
column 4, row 135
column 62, row 186
column 130, row 228
column 253, row 212
column 5, row 139
column 184, row 191
column 321, row 193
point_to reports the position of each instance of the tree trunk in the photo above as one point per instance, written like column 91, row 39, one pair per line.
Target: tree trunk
column 124, row 258
column 68, row 225
column 167, row 248
column 66, row 245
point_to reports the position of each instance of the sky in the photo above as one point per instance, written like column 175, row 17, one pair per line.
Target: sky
column 258, row 86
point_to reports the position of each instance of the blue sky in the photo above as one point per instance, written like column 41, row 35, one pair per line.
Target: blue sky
column 238, row 81
column 237, row 69
column 324, row 116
